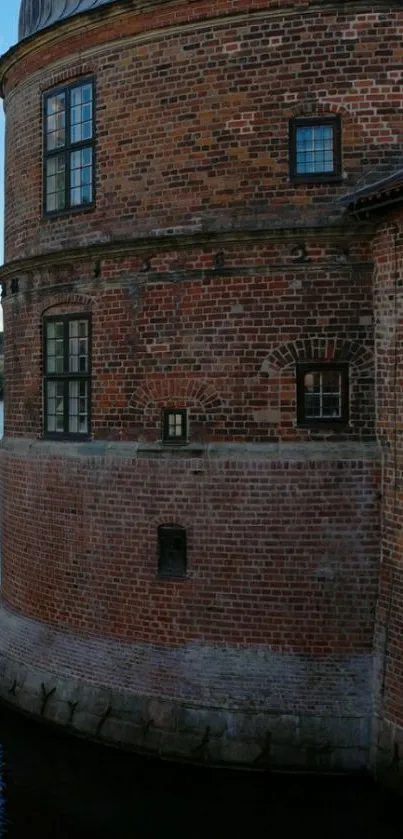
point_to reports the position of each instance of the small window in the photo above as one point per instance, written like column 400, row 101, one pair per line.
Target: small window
column 67, row 376
column 172, row 559
column 322, row 393
column 69, row 147
column 315, row 149
column 174, row 425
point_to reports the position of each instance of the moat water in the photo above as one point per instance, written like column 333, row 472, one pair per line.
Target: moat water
column 58, row 787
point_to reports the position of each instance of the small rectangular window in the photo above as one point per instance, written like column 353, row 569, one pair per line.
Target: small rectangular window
column 172, row 559
column 174, row 425
column 322, row 393
column 315, row 149
column 69, row 147
column 67, row 376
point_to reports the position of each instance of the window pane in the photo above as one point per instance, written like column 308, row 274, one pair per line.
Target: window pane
column 323, row 394
column 81, row 177
column 55, row 407
column 331, row 381
column 314, row 149
column 55, row 183
column 78, row 407
column 331, row 406
column 175, row 425
column 54, row 347
column 78, row 346
column 55, row 121
column 312, row 406
column 81, row 114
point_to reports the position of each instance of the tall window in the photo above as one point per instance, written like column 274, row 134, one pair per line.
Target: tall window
column 69, row 147
column 315, row 149
column 322, row 393
column 67, row 375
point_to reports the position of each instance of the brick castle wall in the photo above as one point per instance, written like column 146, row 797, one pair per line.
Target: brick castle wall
column 388, row 730
column 197, row 137
column 208, row 275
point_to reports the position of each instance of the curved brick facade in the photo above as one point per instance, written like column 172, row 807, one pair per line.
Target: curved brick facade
column 209, row 275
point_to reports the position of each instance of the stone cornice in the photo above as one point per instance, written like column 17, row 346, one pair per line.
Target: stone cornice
column 157, row 244
column 98, row 17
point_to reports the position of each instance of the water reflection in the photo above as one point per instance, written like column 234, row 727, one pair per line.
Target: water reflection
column 60, row 787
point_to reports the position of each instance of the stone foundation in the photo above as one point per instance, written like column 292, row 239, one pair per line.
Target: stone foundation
column 114, row 698
column 387, row 752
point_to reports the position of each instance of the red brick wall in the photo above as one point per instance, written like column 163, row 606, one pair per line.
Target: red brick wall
column 281, row 551
column 223, row 343
column 192, row 163
column 388, row 256
column 198, row 135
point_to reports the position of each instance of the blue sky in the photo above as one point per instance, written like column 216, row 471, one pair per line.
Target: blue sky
column 8, row 36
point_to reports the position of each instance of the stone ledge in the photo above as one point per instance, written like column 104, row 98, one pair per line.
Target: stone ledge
column 288, row 452
column 386, row 752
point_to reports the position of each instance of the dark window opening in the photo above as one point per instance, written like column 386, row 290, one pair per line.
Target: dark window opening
column 174, row 425
column 172, row 553
column 322, row 393
column 67, row 384
column 315, row 149
column 69, row 147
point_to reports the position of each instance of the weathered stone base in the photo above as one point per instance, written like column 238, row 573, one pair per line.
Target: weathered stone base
column 387, row 753
column 107, row 691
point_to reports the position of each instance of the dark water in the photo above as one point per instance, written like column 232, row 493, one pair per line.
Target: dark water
column 54, row 786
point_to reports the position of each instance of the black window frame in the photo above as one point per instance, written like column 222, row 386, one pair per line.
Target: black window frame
column 316, row 177
column 319, row 366
column 67, row 149
column 167, row 532
column 177, row 440
column 66, row 376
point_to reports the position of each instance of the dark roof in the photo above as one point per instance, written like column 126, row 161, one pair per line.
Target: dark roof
column 39, row 14
column 381, row 193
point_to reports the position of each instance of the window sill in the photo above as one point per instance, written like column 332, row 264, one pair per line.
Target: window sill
column 316, row 179
column 321, row 426
column 175, row 578
column 68, row 211
column 68, row 438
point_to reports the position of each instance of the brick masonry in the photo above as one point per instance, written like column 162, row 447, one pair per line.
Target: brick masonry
column 208, row 275
column 388, row 731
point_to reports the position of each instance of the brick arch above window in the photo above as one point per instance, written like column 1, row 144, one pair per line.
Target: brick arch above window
column 71, row 74
column 64, row 304
column 178, row 392
column 312, row 107
column 318, row 348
